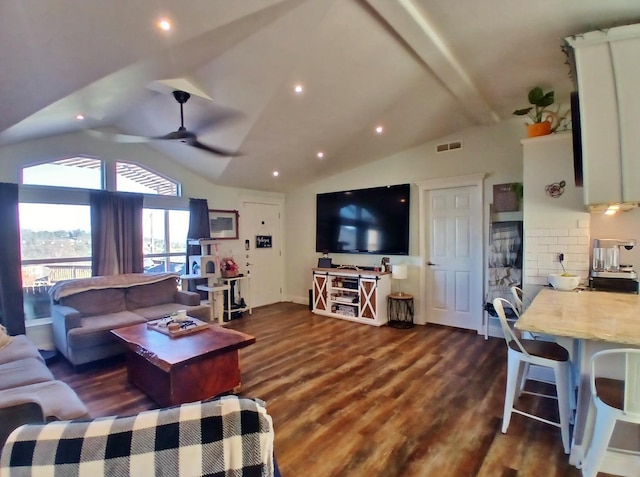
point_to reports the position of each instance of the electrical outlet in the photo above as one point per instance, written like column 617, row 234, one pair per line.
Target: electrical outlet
column 561, row 257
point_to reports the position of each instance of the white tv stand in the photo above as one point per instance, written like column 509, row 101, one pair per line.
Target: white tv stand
column 354, row 295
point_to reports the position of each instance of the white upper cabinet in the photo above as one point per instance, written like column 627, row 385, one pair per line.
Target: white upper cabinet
column 608, row 73
column 626, row 64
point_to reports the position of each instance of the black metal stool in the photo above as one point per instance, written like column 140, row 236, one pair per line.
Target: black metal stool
column 400, row 310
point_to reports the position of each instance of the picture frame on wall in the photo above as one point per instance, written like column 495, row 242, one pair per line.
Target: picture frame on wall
column 507, row 197
column 223, row 224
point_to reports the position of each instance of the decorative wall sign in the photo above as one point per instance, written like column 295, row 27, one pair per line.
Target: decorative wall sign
column 264, row 241
column 556, row 189
column 223, row 224
column 506, row 197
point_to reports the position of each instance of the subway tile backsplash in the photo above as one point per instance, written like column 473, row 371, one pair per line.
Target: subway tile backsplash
column 542, row 246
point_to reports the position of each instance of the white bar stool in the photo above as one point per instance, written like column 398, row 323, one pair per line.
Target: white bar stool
column 612, row 400
column 521, row 354
column 518, row 299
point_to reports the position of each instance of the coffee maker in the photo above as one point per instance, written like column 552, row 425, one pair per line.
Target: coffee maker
column 607, row 273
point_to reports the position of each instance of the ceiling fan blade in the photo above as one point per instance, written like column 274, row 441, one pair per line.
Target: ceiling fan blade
column 214, row 150
column 122, row 138
column 180, row 135
column 219, row 118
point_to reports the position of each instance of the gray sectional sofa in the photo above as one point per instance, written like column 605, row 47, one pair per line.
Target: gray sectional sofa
column 84, row 311
column 26, row 383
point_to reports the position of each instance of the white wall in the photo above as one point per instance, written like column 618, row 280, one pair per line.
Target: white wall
column 552, row 225
column 623, row 225
column 494, row 150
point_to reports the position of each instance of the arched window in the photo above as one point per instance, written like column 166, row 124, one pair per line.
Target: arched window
column 134, row 178
column 77, row 172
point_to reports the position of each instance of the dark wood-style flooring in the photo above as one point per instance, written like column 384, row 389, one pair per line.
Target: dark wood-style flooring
column 359, row 401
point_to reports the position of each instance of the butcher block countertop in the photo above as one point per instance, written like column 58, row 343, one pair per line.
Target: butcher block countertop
column 589, row 315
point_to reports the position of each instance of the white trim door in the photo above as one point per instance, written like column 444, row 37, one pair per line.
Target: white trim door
column 451, row 246
column 263, row 261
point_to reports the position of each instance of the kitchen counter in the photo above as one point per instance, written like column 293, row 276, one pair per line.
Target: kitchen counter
column 595, row 321
column 590, row 315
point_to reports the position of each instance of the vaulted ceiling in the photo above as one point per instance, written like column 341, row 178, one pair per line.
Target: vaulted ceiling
column 422, row 69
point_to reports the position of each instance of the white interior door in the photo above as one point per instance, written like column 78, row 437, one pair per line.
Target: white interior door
column 453, row 250
column 263, row 262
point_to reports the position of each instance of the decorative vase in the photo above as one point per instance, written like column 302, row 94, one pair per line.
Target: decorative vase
column 539, row 129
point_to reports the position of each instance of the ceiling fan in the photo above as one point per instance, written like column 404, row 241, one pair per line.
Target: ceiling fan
column 182, row 134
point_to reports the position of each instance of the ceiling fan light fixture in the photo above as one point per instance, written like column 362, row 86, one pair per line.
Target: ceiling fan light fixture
column 276, row 173
column 298, row 89
column 320, row 155
column 379, row 129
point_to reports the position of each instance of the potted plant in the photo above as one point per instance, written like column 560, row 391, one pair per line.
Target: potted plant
column 542, row 118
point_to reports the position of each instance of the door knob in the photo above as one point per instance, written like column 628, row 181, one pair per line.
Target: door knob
column 431, row 264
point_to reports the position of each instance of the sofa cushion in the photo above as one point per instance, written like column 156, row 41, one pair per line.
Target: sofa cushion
column 22, row 372
column 20, row 347
column 56, row 399
column 142, row 296
column 158, row 311
column 97, row 302
column 95, row 330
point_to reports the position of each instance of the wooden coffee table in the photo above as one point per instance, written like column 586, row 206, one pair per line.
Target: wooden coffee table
column 183, row 369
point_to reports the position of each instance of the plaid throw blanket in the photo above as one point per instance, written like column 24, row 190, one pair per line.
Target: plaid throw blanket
column 223, row 437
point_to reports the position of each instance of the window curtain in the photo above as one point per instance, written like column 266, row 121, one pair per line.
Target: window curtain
column 11, row 299
column 116, row 233
column 198, row 228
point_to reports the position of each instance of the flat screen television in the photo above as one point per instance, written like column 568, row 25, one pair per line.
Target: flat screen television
column 374, row 221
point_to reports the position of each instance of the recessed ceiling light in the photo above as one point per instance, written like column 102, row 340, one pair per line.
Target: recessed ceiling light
column 79, row 117
column 298, row 89
column 276, row 173
column 320, row 155
column 379, row 129
column 164, row 24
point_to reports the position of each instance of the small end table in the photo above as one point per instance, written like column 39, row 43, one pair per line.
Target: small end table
column 400, row 310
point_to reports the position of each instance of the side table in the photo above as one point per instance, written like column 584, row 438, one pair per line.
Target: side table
column 400, row 310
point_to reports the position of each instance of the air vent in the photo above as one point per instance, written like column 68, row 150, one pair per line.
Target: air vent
column 449, row 146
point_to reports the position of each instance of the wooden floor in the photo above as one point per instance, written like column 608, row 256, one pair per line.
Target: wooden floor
column 354, row 400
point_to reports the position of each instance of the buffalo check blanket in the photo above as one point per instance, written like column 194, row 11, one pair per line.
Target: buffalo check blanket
column 228, row 436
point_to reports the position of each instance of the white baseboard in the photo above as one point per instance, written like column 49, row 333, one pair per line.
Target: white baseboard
column 299, row 300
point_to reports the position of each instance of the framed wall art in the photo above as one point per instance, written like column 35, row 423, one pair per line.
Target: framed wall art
column 223, row 224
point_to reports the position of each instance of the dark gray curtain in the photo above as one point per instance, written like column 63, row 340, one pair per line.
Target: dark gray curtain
column 116, row 233
column 198, row 228
column 198, row 219
column 11, row 304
